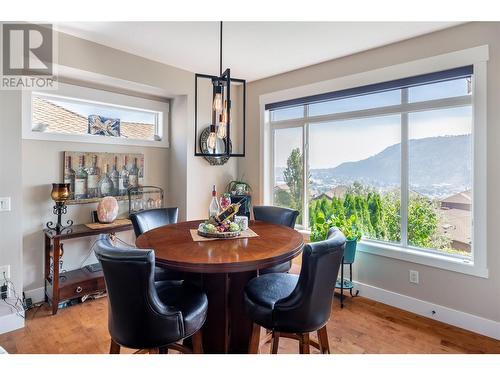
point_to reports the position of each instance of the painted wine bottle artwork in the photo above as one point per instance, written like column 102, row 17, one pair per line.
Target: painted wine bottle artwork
column 94, row 175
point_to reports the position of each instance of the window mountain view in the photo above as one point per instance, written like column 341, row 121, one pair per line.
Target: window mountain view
column 439, row 208
column 428, row 170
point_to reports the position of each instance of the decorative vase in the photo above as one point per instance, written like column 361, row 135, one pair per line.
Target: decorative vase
column 107, row 210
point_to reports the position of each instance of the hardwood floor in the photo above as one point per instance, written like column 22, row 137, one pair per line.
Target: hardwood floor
column 363, row 326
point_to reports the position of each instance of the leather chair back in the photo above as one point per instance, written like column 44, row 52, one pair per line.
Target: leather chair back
column 144, row 221
column 308, row 307
column 137, row 318
column 276, row 215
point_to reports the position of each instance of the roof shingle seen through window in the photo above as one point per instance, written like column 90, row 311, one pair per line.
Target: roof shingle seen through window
column 51, row 118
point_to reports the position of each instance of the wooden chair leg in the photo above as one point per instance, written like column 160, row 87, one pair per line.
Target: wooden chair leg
column 253, row 347
column 304, row 343
column 275, row 342
column 114, row 348
column 154, row 351
column 197, row 340
column 323, row 340
column 163, row 350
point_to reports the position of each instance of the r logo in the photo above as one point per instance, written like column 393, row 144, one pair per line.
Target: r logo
column 27, row 49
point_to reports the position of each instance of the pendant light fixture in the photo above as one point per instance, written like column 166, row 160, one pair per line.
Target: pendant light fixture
column 220, row 123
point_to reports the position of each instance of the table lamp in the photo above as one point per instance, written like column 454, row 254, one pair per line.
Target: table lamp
column 60, row 194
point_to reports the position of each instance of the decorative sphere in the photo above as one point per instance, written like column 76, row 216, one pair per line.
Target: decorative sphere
column 107, row 210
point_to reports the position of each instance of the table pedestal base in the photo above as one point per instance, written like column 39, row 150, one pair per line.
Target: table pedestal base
column 227, row 328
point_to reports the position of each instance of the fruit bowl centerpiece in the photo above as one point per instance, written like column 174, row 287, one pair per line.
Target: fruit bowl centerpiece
column 226, row 229
column 221, row 225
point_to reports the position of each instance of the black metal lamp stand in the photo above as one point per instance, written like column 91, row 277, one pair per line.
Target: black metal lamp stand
column 59, row 209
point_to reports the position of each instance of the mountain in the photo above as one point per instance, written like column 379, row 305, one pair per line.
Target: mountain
column 438, row 166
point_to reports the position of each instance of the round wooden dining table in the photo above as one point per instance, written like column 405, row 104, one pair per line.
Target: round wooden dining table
column 222, row 268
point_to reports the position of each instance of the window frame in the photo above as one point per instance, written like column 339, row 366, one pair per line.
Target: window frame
column 75, row 93
column 475, row 265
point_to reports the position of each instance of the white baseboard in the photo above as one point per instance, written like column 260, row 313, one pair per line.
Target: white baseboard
column 10, row 322
column 36, row 295
column 443, row 314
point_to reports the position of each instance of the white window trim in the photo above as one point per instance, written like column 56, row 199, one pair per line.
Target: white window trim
column 101, row 97
column 478, row 57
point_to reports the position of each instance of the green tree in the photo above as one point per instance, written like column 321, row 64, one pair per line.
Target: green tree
column 282, row 197
column 378, row 216
column 391, row 216
column 294, row 177
column 422, row 222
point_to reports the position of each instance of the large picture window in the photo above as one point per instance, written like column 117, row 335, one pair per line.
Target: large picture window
column 396, row 155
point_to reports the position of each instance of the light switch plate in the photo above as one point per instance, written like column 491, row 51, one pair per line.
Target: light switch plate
column 5, row 204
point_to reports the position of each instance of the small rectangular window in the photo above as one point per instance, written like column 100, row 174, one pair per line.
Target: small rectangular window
column 287, row 113
column 440, row 90
column 65, row 115
column 356, row 103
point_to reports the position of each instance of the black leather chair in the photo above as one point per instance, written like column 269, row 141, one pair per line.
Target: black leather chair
column 293, row 306
column 147, row 220
column 144, row 314
column 281, row 216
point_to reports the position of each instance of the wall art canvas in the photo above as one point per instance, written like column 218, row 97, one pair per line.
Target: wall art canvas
column 94, row 175
column 100, row 125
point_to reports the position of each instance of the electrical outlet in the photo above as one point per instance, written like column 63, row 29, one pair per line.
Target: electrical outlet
column 5, row 274
column 414, row 277
column 5, row 204
column 3, row 291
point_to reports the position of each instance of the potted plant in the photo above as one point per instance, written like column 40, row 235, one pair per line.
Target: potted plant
column 348, row 226
column 238, row 187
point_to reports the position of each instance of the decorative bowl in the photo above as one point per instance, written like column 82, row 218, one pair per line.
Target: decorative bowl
column 219, row 234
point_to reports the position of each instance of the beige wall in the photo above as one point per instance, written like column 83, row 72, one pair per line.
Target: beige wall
column 458, row 291
column 10, row 186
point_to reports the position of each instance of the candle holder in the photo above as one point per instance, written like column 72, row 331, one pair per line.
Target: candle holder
column 60, row 194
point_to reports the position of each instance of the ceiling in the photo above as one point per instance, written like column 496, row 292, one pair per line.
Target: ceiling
column 253, row 50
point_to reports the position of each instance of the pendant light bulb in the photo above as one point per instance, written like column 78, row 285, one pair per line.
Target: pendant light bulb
column 212, row 139
column 217, row 105
column 221, row 130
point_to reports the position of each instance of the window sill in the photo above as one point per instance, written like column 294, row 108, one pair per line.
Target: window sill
column 419, row 257
column 84, row 138
column 429, row 259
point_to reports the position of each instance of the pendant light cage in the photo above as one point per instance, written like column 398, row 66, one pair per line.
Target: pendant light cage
column 220, row 122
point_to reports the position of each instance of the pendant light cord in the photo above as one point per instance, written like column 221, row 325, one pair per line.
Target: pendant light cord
column 220, row 50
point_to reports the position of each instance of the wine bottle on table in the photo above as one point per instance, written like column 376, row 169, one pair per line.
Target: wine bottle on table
column 213, row 208
column 81, row 179
column 69, row 177
column 226, row 214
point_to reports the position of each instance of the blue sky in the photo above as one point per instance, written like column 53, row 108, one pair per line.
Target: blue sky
column 341, row 141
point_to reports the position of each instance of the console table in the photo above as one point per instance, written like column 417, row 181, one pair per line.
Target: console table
column 76, row 283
